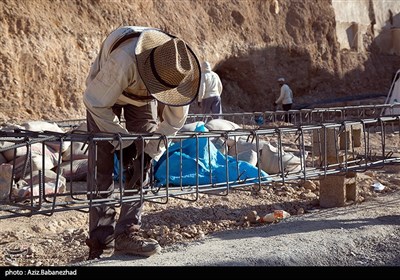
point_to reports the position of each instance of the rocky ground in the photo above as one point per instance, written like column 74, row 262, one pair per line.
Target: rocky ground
column 354, row 236
column 59, row 239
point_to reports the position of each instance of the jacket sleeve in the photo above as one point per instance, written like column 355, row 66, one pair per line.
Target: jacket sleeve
column 281, row 95
column 103, row 91
column 202, row 88
column 173, row 120
column 220, row 87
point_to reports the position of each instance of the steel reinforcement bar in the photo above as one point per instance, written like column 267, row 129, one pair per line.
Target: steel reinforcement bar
column 46, row 172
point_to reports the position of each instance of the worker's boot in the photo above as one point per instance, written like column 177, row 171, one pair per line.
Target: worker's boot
column 131, row 243
column 99, row 251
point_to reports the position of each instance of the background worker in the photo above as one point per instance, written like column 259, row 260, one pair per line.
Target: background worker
column 209, row 99
column 136, row 68
column 285, row 98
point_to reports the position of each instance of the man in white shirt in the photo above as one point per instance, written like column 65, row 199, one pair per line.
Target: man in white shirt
column 285, row 97
column 136, row 68
column 209, row 99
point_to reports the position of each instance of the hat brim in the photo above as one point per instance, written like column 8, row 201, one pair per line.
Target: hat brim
column 181, row 95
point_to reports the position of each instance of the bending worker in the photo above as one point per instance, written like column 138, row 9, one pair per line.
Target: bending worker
column 135, row 68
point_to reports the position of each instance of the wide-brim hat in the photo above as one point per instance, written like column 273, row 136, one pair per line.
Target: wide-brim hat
column 168, row 67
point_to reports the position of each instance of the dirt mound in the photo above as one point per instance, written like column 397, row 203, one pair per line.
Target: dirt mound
column 47, row 48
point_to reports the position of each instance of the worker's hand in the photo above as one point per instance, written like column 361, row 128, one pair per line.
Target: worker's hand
column 128, row 155
column 140, row 167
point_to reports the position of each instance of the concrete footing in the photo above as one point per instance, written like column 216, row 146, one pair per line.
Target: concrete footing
column 331, row 144
column 338, row 190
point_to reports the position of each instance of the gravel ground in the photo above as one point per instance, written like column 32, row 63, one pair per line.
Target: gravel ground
column 366, row 234
column 226, row 231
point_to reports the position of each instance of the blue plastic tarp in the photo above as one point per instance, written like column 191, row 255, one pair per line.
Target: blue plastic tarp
column 213, row 166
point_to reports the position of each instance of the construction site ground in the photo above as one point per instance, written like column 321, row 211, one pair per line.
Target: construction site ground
column 363, row 235
column 59, row 239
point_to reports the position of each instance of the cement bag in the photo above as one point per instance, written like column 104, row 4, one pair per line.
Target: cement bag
column 36, row 148
column 192, row 126
column 9, row 153
column 223, row 125
column 49, row 176
column 243, row 146
column 49, row 155
column 5, row 181
column 189, row 127
column 81, row 127
column 76, row 150
column 75, row 172
column 26, row 192
column 270, row 163
column 41, row 126
column 219, row 143
column 248, row 156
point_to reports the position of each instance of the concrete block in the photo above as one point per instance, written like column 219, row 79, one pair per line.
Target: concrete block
column 345, row 140
column 352, row 136
column 337, row 190
column 332, row 144
column 336, row 142
column 356, row 133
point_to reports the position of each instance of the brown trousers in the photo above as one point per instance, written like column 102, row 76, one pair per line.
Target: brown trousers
column 102, row 219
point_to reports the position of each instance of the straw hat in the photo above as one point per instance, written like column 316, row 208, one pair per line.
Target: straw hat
column 168, row 67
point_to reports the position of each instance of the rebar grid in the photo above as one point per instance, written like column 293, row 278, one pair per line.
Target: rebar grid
column 320, row 150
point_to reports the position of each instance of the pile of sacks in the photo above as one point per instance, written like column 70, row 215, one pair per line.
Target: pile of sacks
column 74, row 157
column 247, row 151
column 40, row 162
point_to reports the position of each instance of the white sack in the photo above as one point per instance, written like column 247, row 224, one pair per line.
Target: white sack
column 192, row 126
column 76, row 172
column 41, row 126
column 249, row 156
column 269, row 160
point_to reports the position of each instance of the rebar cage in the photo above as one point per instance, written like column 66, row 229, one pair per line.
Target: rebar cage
column 45, row 171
